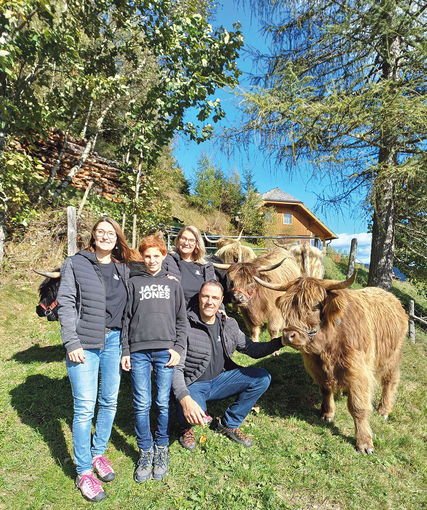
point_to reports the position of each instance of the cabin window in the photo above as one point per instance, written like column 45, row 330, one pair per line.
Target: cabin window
column 287, row 219
column 267, row 217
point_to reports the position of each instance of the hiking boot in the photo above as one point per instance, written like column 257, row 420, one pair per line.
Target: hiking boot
column 160, row 462
column 103, row 468
column 90, row 487
column 142, row 471
column 187, row 438
column 233, row 434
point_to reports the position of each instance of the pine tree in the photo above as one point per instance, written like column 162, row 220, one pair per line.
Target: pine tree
column 344, row 92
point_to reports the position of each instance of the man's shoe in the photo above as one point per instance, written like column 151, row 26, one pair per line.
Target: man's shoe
column 90, row 487
column 102, row 466
column 142, row 471
column 233, row 434
column 160, row 462
column 187, row 438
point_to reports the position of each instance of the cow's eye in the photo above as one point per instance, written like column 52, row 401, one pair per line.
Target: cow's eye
column 316, row 308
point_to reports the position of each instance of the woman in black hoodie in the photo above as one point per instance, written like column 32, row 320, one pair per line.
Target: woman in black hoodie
column 154, row 336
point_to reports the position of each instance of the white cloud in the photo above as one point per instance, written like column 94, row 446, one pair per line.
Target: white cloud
column 363, row 252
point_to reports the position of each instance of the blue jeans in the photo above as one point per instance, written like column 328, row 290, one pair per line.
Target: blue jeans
column 87, row 387
column 247, row 383
column 141, row 362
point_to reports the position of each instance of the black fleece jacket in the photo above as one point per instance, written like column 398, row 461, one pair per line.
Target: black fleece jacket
column 155, row 316
column 198, row 351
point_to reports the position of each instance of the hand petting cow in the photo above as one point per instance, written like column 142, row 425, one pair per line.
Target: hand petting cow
column 348, row 338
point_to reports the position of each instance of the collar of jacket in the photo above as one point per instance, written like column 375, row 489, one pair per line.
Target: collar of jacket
column 193, row 315
column 91, row 256
column 139, row 269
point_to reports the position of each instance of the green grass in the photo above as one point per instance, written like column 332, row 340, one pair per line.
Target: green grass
column 296, row 462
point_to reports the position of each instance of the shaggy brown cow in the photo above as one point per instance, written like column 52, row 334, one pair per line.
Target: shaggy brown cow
column 347, row 339
column 232, row 250
column 257, row 304
column 309, row 258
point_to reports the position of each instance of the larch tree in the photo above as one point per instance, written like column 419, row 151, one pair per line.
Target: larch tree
column 344, row 94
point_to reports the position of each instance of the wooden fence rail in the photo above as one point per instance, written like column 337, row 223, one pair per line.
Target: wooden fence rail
column 412, row 319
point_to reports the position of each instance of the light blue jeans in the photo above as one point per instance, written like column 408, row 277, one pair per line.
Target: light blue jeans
column 141, row 362
column 98, row 378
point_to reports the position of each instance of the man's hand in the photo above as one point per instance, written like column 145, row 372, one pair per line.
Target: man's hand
column 193, row 413
column 77, row 356
column 174, row 358
column 126, row 366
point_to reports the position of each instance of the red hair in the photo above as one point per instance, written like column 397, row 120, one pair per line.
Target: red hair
column 153, row 241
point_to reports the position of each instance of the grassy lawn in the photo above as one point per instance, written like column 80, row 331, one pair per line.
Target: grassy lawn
column 296, row 462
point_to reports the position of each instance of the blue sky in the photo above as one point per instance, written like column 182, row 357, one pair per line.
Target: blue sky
column 346, row 225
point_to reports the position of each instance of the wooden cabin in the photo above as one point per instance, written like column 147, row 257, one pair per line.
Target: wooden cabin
column 294, row 221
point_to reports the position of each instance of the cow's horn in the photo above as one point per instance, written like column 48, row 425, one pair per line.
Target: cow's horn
column 48, row 274
column 273, row 286
column 337, row 285
column 210, row 240
column 221, row 266
column 273, row 266
column 240, row 236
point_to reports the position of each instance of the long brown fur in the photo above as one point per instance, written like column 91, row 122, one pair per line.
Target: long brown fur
column 229, row 251
column 309, row 259
column 358, row 340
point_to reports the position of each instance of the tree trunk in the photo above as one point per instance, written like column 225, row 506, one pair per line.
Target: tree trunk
column 382, row 249
column 383, row 199
column 137, row 188
column 90, row 146
column 2, row 234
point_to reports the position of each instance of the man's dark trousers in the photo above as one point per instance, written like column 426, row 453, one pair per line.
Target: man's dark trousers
column 248, row 383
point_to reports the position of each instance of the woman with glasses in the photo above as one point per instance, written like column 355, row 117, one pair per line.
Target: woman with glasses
column 91, row 300
column 187, row 262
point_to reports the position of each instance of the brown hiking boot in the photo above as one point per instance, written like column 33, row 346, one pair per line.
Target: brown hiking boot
column 233, row 434
column 187, row 438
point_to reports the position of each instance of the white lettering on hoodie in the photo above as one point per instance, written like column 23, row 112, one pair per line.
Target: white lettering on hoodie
column 154, row 291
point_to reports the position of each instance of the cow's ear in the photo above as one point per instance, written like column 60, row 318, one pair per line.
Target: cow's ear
column 333, row 307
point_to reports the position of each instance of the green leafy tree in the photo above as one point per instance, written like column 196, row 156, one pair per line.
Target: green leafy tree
column 208, row 186
column 125, row 72
column 345, row 92
column 252, row 219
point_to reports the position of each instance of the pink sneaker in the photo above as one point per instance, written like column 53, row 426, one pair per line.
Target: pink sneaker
column 103, row 467
column 90, row 486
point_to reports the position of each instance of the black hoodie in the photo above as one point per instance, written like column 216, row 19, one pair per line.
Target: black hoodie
column 155, row 315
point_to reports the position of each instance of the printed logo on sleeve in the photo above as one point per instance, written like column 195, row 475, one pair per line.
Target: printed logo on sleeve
column 154, row 291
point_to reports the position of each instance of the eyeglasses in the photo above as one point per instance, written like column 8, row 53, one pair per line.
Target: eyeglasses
column 111, row 234
column 191, row 242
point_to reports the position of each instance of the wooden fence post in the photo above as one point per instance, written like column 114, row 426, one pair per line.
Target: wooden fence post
column 352, row 257
column 411, row 331
column 71, row 230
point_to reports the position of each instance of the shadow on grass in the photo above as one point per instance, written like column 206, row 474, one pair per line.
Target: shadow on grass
column 42, row 402
column 292, row 393
column 41, row 354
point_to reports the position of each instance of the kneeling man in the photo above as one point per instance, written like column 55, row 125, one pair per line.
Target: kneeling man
column 206, row 371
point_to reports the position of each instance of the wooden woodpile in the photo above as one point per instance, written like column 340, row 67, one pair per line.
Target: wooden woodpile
column 103, row 173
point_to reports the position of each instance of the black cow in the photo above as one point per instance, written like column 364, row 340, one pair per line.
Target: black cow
column 48, row 290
